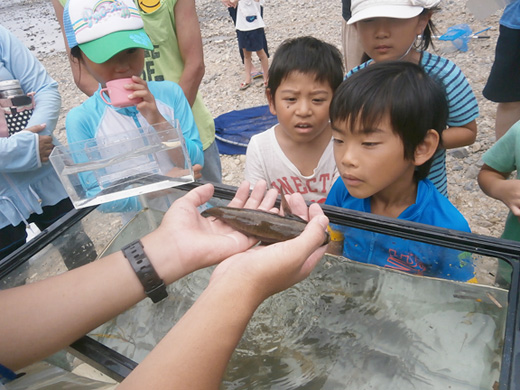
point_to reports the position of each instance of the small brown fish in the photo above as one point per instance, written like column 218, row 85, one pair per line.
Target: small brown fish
column 262, row 225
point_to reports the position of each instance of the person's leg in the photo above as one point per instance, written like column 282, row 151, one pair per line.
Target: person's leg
column 212, row 170
column 76, row 250
column 11, row 238
column 503, row 83
column 507, row 115
column 264, row 61
column 247, row 66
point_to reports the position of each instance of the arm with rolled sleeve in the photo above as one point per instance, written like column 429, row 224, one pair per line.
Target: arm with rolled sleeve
column 33, row 77
column 20, row 152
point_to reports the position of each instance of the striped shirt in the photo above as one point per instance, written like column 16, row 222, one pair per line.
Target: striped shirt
column 462, row 105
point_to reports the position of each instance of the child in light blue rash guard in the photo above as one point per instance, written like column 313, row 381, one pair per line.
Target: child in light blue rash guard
column 109, row 41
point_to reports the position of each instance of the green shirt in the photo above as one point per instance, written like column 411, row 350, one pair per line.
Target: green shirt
column 504, row 157
column 165, row 62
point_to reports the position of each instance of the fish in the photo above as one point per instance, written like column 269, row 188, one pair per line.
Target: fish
column 267, row 227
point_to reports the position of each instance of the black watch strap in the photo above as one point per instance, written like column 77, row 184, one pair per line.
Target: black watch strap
column 153, row 285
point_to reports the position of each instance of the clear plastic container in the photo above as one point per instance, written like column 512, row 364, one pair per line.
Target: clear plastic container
column 99, row 171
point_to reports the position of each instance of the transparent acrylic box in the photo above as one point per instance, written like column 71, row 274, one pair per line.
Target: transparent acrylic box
column 131, row 163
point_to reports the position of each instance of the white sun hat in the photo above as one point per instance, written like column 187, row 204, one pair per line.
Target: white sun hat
column 399, row 9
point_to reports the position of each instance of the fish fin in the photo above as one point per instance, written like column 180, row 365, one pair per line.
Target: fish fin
column 284, row 204
column 287, row 212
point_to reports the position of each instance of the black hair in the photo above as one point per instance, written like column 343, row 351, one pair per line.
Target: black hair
column 307, row 55
column 426, row 39
column 76, row 53
column 413, row 101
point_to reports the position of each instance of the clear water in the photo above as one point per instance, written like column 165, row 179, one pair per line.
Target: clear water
column 132, row 190
column 348, row 326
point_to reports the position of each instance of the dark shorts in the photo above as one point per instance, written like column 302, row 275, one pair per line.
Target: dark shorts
column 253, row 40
column 503, row 84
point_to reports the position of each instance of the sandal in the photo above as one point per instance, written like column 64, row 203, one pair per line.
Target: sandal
column 257, row 75
column 244, row 86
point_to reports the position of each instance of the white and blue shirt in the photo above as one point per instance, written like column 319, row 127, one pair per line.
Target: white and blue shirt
column 95, row 119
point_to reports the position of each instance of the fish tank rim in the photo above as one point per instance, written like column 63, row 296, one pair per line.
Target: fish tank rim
column 117, row 366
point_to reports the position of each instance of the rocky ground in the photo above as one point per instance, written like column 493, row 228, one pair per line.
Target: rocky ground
column 37, row 26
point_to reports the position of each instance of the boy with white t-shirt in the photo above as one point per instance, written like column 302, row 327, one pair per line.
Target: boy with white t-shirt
column 296, row 154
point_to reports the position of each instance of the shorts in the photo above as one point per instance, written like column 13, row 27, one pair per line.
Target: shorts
column 503, row 84
column 253, row 40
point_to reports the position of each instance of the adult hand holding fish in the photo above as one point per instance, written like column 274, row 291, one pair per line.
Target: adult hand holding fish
column 215, row 241
column 267, row 270
column 195, row 353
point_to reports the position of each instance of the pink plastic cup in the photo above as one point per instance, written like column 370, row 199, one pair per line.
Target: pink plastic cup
column 119, row 94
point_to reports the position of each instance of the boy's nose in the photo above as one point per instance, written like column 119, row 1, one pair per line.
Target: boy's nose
column 348, row 158
column 303, row 108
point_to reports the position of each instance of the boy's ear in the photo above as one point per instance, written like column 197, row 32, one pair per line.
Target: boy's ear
column 270, row 101
column 427, row 148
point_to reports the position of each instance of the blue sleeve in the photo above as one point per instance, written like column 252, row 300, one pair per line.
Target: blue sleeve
column 20, row 152
column 33, row 77
column 182, row 112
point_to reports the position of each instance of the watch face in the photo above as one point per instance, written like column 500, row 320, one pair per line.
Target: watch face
column 148, row 6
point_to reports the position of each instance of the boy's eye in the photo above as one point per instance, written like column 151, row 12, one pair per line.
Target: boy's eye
column 337, row 141
column 370, row 144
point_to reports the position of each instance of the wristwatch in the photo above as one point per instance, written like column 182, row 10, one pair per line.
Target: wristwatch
column 153, row 285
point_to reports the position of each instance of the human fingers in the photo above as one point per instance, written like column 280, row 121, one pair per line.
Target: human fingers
column 139, row 89
column 298, row 205
column 265, row 271
column 36, row 128
column 241, row 196
column 45, row 147
column 197, row 171
column 195, row 198
column 257, row 199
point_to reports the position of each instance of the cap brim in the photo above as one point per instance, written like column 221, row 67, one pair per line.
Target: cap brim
column 102, row 49
column 389, row 11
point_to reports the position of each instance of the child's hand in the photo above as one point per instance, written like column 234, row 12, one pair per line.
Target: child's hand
column 496, row 185
column 197, row 171
column 511, row 195
column 148, row 107
column 45, row 144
